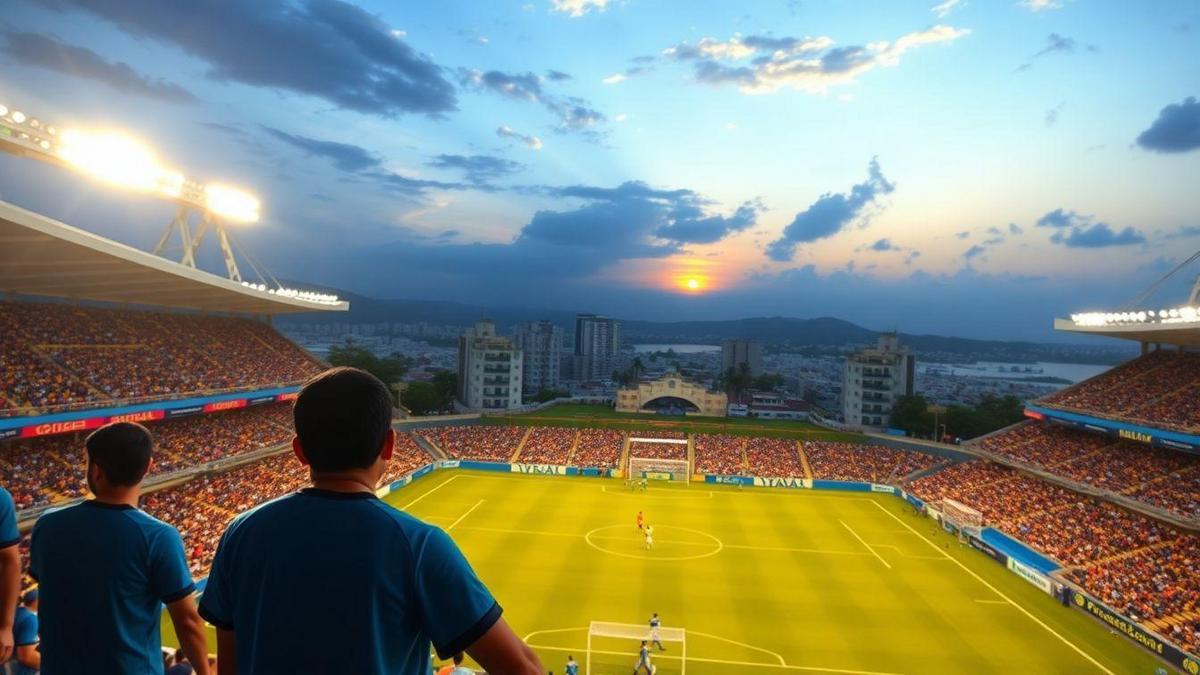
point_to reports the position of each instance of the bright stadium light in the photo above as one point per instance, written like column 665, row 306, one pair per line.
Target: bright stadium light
column 117, row 159
column 232, row 203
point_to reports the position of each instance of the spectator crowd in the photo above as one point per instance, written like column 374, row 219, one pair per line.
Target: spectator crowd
column 56, row 355
column 861, row 462
column 1161, row 389
column 485, row 443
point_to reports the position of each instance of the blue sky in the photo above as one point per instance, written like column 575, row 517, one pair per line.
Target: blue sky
column 970, row 168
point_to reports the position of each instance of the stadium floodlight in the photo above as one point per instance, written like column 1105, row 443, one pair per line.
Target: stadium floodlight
column 232, row 203
column 115, row 158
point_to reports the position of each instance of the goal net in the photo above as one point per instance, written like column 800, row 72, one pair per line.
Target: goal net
column 659, row 469
column 966, row 520
column 616, row 647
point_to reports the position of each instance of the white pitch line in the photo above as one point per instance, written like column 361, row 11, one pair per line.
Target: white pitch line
column 864, row 543
column 697, row 659
column 460, row 518
column 995, row 590
column 439, row 487
column 993, row 602
column 782, row 662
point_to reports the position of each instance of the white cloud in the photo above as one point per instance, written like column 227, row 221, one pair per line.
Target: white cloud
column 731, row 126
column 615, row 78
column 577, row 8
column 397, row 33
column 1040, row 5
column 940, row 11
column 532, row 142
column 620, row 117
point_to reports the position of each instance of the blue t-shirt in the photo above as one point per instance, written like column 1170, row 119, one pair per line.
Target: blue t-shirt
column 572, row 668
column 9, row 534
column 25, row 633
column 103, row 571
column 333, row 582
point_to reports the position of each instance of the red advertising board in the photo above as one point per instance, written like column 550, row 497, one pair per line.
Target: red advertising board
column 232, row 404
column 49, row 428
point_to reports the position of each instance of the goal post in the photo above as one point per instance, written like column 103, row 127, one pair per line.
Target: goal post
column 967, row 520
column 660, row 469
column 618, row 644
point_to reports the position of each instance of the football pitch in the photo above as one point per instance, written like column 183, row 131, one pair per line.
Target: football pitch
column 761, row 580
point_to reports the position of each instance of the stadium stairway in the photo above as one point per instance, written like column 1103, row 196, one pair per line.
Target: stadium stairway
column 691, row 453
column 574, row 446
column 99, row 394
column 921, row 473
column 804, row 460
column 624, row 453
column 428, row 446
column 742, row 450
column 1125, row 554
column 520, row 446
column 1164, row 623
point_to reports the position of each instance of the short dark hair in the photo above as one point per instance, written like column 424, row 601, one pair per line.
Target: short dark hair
column 122, row 450
column 342, row 417
column 458, row 658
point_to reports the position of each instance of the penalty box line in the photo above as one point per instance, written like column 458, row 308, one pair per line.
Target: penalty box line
column 997, row 591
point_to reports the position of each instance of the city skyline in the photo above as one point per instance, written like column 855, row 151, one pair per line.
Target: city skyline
column 960, row 168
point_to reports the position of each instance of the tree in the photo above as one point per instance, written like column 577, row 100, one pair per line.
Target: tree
column 734, row 381
column 446, row 384
column 550, row 394
column 910, row 413
column 768, row 382
column 389, row 369
column 421, row 398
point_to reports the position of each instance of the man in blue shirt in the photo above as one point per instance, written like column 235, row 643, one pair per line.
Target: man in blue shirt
column 105, row 569
column 332, row 580
column 10, row 572
column 25, row 635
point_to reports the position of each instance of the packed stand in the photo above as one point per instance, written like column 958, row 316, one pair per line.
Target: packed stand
column 548, row 445
column 44, row 470
column 1159, row 389
column 598, row 448
column 831, row 460
column 56, row 354
column 485, row 443
column 1088, row 530
column 720, row 454
column 1161, row 477
column 407, row 457
column 774, row 458
column 650, row 449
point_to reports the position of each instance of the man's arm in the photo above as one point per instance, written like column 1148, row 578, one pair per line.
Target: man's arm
column 501, row 652
column 226, row 652
column 29, row 656
column 189, row 628
column 10, row 588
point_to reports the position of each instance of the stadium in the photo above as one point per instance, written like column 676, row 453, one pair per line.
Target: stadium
column 1068, row 543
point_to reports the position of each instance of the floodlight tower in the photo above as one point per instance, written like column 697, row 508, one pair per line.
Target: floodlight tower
column 123, row 161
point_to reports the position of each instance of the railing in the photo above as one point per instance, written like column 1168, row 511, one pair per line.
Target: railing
column 137, row 400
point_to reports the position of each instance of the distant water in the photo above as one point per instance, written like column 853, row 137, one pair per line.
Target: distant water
column 1075, row 372
column 679, row 349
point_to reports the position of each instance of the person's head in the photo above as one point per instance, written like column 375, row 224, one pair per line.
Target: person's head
column 643, row 643
column 655, row 615
column 180, row 657
column 118, row 456
column 343, row 421
column 30, row 600
column 458, row 659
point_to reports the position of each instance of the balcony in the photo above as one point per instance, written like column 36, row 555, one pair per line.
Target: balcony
column 496, row 380
column 497, row 358
column 496, row 369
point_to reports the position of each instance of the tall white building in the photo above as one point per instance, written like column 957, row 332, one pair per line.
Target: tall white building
column 597, row 347
column 874, row 379
column 737, row 351
column 489, row 369
column 540, row 343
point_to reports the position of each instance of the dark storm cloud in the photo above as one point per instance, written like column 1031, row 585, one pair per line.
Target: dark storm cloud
column 830, row 214
column 43, row 51
column 350, row 158
column 690, row 225
column 325, row 48
column 476, row 168
column 1177, row 128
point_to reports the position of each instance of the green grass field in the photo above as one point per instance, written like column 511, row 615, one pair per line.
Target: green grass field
column 761, row 580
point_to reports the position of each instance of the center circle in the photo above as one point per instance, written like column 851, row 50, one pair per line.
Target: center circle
column 595, row 534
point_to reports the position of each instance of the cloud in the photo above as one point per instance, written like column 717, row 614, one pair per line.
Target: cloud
column 328, row 49
column 577, row 8
column 1051, row 117
column 1076, row 230
column 557, row 76
column 1040, row 5
column 911, row 256
column 829, row 214
column 760, row 64
column 883, row 245
column 1185, row 232
column 574, row 114
column 43, row 51
column 1177, row 128
column 940, row 11
column 689, row 224
column 962, row 235
column 530, row 141
column 1014, row 229
column 1056, row 43
column 615, row 78
column 476, row 168
column 350, row 158
column 973, row 252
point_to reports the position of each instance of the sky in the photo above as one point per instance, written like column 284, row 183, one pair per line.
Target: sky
column 962, row 168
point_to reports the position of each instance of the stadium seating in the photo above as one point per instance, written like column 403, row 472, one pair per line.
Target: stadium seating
column 485, row 443
column 720, row 454
column 45, row 470
column 863, row 462
column 548, row 445
column 774, row 458
column 56, row 355
column 1160, row 389
column 598, row 448
column 658, row 450
column 1160, row 477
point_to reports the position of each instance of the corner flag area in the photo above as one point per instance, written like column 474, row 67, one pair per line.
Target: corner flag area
column 769, row 581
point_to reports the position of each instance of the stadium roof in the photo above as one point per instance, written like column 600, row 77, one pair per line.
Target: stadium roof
column 1184, row 333
column 41, row 256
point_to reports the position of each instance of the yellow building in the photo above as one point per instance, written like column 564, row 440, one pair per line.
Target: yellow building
column 672, row 392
